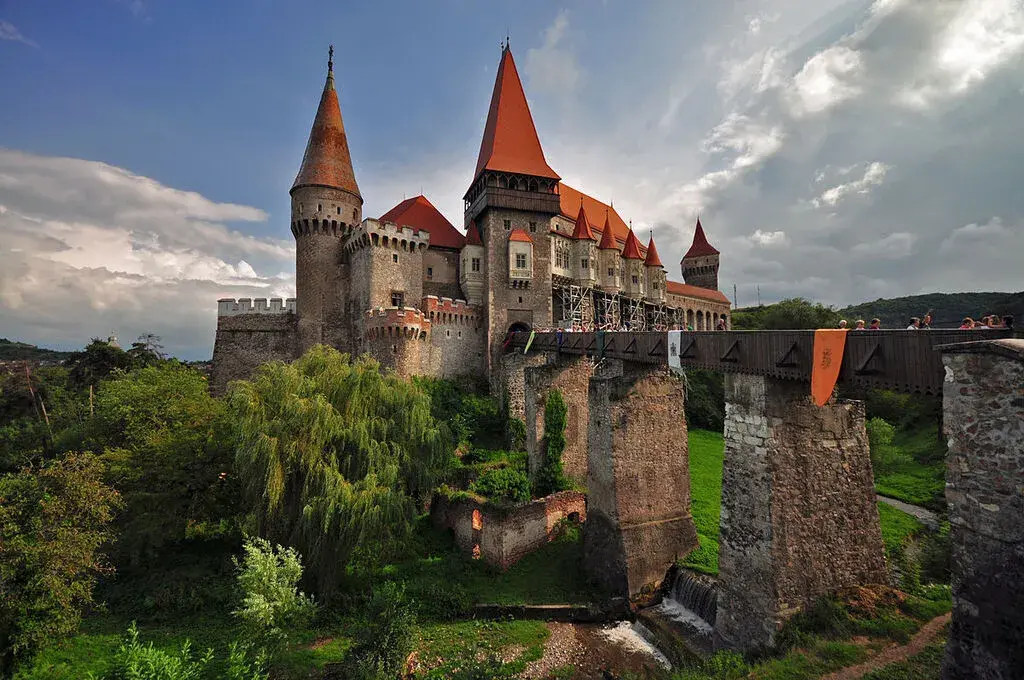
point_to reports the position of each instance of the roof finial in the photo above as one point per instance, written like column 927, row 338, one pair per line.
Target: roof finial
column 330, row 59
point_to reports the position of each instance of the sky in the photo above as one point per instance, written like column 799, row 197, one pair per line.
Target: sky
column 836, row 150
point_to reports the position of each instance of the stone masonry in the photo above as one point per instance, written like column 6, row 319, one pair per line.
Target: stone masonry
column 638, row 479
column 799, row 517
column 570, row 375
column 246, row 340
column 983, row 418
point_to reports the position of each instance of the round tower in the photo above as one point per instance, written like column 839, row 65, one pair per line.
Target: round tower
column 326, row 205
column 472, row 274
column 700, row 264
column 609, row 260
column 656, row 278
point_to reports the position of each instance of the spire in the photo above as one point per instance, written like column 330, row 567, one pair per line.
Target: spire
column 700, row 245
column 607, row 237
column 327, row 161
column 652, row 255
column 582, row 230
column 632, row 249
column 510, row 142
column 473, row 235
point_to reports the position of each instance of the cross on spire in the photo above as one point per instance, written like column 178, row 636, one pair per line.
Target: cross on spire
column 330, row 59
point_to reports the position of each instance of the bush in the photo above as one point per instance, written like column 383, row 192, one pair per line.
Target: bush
column 503, row 484
column 384, row 641
column 550, row 477
column 705, row 400
column 880, row 432
column 516, row 434
column 246, row 663
column 136, row 661
column 272, row 606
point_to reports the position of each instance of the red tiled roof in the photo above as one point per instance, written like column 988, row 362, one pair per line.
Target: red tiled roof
column 632, row 249
column 700, row 244
column 608, row 241
column 676, row 288
column 327, row 161
column 510, row 142
column 570, row 200
column 652, row 256
column 473, row 235
column 520, row 235
column 419, row 213
column 582, row 230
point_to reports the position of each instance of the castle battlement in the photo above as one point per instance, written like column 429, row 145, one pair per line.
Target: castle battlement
column 446, row 310
column 374, row 233
column 407, row 322
column 233, row 307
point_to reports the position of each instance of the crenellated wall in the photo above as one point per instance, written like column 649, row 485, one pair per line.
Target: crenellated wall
column 247, row 338
column 398, row 338
column 458, row 341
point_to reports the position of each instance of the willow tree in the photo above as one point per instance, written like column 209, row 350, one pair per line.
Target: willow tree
column 332, row 455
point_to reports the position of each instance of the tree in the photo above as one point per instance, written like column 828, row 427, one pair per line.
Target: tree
column 333, row 455
column 169, row 449
column 550, row 477
column 791, row 314
column 53, row 521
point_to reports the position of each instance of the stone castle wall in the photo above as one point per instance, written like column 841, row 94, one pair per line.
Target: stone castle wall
column 457, row 339
column 983, row 418
column 570, row 376
column 503, row 535
column 441, row 273
column 244, row 341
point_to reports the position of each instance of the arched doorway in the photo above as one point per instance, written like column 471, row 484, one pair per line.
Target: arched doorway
column 519, row 327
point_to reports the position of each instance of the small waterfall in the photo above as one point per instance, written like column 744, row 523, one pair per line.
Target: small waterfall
column 697, row 596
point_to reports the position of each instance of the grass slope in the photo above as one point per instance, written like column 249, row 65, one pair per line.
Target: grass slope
column 912, row 468
column 706, row 456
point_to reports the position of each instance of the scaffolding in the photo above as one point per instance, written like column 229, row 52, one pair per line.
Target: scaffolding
column 609, row 311
column 573, row 302
column 633, row 311
column 657, row 318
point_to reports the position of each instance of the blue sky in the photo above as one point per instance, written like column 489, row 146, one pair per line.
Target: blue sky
column 842, row 150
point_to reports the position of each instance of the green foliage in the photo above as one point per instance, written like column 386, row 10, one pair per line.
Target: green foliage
column 504, row 484
column 386, row 637
column 705, row 400
column 706, row 454
column 897, row 526
column 936, row 550
column 472, row 416
column 272, row 605
column 516, row 434
column 12, row 350
column 94, row 363
column 947, row 308
column 912, row 466
column 550, row 477
column 790, row 314
column 136, row 661
column 880, row 433
column 904, row 411
column 333, row 455
column 53, row 521
column 246, row 663
column 168, row 448
column 925, row 665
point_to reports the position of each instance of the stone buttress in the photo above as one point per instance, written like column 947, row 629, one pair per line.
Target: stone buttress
column 570, row 375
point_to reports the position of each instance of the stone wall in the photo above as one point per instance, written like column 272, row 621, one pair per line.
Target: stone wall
column 799, row 517
column 983, row 418
column 638, row 479
column 571, row 376
column 245, row 341
column 509, row 381
column 440, row 273
column 503, row 535
column 457, row 341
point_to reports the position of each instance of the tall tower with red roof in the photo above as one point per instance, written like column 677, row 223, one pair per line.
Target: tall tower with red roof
column 326, row 205
column 700, row 264
column 513, row 196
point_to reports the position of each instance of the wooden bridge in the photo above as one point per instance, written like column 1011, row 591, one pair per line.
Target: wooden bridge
column 901, row 360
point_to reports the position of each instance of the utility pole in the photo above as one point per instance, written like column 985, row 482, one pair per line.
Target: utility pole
column 735, row 300
column 759, row 295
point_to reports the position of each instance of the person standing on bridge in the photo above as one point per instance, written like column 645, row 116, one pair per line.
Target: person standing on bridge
column 915, row 324
column 876, row 325
column 858, row 325
column 842, row 324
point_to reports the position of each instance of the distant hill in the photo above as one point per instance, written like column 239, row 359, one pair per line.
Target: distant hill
column 11, row 350
column 948, row 309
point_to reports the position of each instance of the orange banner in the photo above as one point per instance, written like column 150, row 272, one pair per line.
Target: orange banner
column 829, row 344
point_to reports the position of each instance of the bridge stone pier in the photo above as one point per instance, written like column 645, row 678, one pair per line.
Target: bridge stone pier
column 638, row 478
column 983, row 418
column 570, row 375
column 799, row 517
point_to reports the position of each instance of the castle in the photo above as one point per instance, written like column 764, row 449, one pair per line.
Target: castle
column 425, row 299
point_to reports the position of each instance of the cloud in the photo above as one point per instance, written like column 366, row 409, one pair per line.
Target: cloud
column 827, row 79
column 874, row 175
column 768, row 238
column 892, row 247
column 552, row 67
column 89, row 248
column 9, row 31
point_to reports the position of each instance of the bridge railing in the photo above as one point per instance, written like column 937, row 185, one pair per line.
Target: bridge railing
column 893, row 359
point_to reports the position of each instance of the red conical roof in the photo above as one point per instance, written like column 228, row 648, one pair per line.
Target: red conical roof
column 473, row 235
column 327, row 161
column 607, row 237
column 582, row 230
column 510, row 141
column 632, row 249
column 420, row 214
column 652, row 255
column 700, row 244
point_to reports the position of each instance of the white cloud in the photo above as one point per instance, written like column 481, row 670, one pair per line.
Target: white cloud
column 827, row 79
column 552, row 67
column 91, row 248
column 9, row 31
column 895, row 246
column 768, row 238
column 874, row 175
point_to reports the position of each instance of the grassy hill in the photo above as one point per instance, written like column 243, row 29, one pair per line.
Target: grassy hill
column 11, row 350
column 948, row 309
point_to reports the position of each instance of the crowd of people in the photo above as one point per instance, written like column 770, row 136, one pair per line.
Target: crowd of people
column 925, row 323
column 722, row 325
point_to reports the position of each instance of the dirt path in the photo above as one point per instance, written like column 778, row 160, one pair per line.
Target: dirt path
column 894, row 653
column 923, row 515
